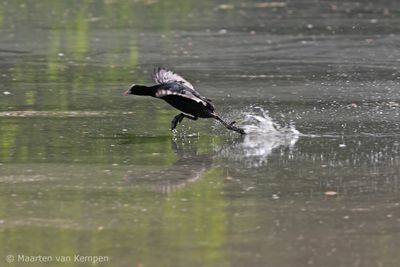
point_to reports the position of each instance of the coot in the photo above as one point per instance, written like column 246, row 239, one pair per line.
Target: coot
column 180, row 94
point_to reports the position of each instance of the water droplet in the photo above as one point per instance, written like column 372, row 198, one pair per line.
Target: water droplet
column 223, row 31
column 275, row 196
column 330, row 193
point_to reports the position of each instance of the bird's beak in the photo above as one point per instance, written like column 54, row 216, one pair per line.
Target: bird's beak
column 127, row 92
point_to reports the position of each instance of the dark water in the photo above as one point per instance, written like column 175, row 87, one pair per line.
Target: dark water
column 86, row 171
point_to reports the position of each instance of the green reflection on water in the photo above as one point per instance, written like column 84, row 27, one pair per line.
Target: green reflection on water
column 1, row 15
column 104, row 216
column 77, row 35
column 201, row 223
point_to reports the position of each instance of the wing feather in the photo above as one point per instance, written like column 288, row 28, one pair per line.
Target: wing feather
column 182, row 93
column 161, row 75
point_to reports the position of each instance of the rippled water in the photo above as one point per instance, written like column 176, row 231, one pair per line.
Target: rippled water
column 86, row 171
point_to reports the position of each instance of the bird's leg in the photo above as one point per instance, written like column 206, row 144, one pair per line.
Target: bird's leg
column 230, row 125
column 190, row 117
column 178, row 118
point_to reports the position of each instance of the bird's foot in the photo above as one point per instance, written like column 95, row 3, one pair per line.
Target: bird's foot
column 230, row 126
column 236, row 129
column 174, row 123
column 177, row 119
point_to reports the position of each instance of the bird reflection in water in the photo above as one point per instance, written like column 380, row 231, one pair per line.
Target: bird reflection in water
column 189, row 167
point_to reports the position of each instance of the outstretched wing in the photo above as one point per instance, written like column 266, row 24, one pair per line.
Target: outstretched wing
column 161, row 75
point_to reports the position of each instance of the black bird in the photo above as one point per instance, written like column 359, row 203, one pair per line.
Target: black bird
column 180, row 94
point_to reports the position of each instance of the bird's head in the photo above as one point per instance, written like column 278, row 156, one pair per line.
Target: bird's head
column 136, row 89
column 130, row 91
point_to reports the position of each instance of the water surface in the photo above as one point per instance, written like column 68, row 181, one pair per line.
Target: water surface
column 86, row 171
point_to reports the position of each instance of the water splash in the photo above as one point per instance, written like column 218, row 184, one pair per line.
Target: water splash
column 263, row 136
column 257, row 121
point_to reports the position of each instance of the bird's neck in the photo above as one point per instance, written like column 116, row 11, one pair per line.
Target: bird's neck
column 145, row 90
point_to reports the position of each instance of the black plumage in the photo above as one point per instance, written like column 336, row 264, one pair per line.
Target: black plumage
column 180, row 94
